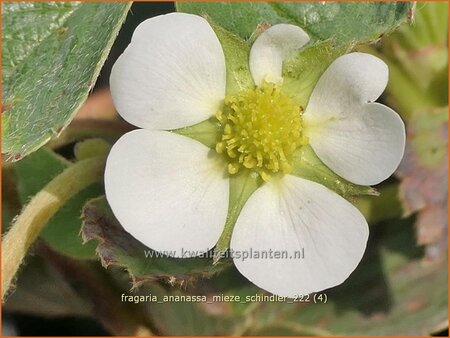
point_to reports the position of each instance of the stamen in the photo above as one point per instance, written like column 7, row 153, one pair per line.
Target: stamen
column 261, row 128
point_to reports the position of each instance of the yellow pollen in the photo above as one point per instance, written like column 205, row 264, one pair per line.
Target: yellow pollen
column 261, row 129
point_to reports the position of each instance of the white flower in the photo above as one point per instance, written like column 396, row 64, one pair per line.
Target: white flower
column 172, row 192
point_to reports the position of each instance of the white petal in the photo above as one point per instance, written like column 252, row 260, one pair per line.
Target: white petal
column 351, row 80
column 291, row 215
column 167, row 191
column 364, row 149
column 361, row 141
column 171, row 75
column 271, row 48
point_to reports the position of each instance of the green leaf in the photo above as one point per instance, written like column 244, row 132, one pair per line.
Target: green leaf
column 117, row 247
column 62, row 233
column 344, row 22
column 418, row 80
column 52, row 54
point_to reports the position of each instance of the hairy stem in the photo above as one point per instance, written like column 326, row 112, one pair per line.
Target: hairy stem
column 42, row 207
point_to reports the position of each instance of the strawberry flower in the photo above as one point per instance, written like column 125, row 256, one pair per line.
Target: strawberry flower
column 172, row 192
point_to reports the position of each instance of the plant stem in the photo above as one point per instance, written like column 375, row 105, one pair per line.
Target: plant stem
column 82, row 128
column 42, row 207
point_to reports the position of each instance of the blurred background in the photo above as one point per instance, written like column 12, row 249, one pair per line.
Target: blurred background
column 400, row 287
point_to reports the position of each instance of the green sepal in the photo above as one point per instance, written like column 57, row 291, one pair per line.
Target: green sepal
column 300, row 75
column 307, row 165
column 206, row 132
column 242, row 185
column 301, row 72
column 237, row 53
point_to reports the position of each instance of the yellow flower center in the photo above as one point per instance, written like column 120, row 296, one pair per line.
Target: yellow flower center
column 261, row 129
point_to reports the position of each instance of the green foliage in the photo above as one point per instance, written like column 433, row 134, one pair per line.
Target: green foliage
column 62, row 233
column 417, row 56
column 343, row 22
column 52, row 54
column 430, row 146
column 117, row 247
column 392, row 292
column 178, row 318
column 390, row 285
column 384, row 296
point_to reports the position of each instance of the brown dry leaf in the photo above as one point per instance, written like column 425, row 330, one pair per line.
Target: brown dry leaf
column 116, row 247
column 424, row 174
